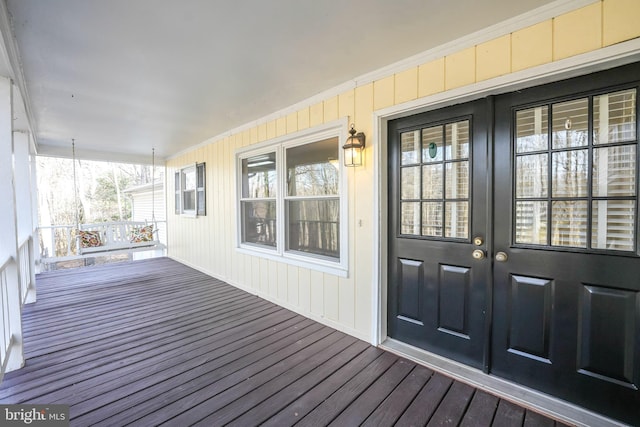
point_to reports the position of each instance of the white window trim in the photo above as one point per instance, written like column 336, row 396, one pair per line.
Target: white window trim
column 337, row 128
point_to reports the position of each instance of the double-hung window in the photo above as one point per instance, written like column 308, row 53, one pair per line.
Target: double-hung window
column 190, row 191
column 291, row 200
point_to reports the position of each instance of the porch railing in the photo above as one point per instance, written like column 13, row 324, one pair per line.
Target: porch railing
column 59, row 243
column 27, row 273
column 10, row 317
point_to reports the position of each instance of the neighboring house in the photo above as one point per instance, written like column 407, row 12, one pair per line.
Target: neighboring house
column 492, row 230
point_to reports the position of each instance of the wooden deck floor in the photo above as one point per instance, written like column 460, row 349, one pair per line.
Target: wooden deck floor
column 155, row 342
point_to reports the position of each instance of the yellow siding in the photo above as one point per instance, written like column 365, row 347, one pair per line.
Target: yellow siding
column 431, row 77
column 620, row 21
column 460, row 68
column 209, row 242
column 532, row 46
column 577, row 32
column 406, row 85
column 316, row 114
column 383, row 92
column 493, row 58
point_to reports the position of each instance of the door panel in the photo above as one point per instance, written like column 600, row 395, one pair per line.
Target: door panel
column 566, row 300
column 438, row 202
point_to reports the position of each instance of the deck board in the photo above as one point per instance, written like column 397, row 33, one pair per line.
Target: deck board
column 155, row 342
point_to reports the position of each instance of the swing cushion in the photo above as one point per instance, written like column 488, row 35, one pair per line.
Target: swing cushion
column 142, row 234
column 90, row 239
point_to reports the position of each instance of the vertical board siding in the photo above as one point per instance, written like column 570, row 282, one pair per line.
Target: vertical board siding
column 209, row 242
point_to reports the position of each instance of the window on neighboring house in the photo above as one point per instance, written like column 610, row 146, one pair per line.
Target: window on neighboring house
column 291, row 200
column 190, row 191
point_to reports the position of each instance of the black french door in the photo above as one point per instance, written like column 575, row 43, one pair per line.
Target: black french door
column 541, row 284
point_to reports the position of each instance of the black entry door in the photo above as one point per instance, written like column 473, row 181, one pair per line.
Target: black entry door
column 438, row 231
column 566, row 312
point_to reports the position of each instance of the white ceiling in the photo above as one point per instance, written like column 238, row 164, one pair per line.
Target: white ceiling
column 123, row 76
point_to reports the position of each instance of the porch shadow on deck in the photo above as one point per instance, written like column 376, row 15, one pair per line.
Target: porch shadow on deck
column 152, row 342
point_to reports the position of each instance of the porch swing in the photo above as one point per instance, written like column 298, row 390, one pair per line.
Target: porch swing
column 116, row 236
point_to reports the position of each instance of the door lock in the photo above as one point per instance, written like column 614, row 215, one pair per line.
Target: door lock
column 478, row 254
column 501, row 257
column 478, row 241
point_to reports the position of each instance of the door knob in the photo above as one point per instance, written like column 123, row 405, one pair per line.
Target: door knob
column 501, row 257
column 478, row 254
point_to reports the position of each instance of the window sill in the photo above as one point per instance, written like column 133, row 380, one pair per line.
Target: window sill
column 298, row 260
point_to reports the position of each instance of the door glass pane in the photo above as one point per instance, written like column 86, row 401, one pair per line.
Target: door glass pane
column 410, row 183
column 314, row 226
column 614, row 171
column 456, row 223
column 532, row 128
column 432, row 219
column 570, row 123
column 410, row 148
column 259, row 222
column 457, row 180
column 457, row 140
column 531, row 222
column 613, row 224
column 432, row 181
column 569, row 173
column 531, row 175
column 569, row 223
column 259, row 176
column 432, row 144
column 614, row 117
column 410, row 218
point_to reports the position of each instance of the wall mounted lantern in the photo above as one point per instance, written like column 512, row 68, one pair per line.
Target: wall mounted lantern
column 354, row 148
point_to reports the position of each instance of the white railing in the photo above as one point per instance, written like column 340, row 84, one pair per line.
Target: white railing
column 10, row 326
column 25, row 252
column 59, row 242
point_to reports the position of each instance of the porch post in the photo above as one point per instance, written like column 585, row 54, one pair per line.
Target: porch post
column 9, row 233
column 24, row 205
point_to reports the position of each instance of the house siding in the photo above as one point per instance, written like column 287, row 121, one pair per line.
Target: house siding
column 209, row 242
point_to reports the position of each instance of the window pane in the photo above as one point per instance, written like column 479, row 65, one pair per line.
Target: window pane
column 312, row 170
column 613, row 224
column 410, row 147
column 189, row 179
column 569, row 223
column 432, row 144
column 432, row 181
column 432, row 219
column 531, row 175
column 314, row 226
column 614, row 117
column 410, row 183
column 410, row 218
column 456, row 220
column 457, row 140
column 259, row 222
column 532, row 129
column 569, row 173
column 614, row 171
column 570, row 123
column 531, row 222
column 189, row 200
column 259, row 176
column 457, row 176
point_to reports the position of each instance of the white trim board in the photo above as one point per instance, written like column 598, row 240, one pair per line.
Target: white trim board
column 510, row 25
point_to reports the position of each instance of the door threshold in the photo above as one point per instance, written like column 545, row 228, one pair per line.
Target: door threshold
column 523, row 396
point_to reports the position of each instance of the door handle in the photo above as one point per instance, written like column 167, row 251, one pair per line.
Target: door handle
column 501, row 257
column 478, row 254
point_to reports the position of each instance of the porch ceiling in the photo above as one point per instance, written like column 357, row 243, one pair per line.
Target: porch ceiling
column 124, row 76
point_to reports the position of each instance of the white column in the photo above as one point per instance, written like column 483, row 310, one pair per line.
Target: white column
column 9, row 226
column 24, row 208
